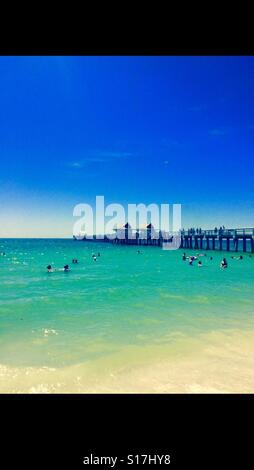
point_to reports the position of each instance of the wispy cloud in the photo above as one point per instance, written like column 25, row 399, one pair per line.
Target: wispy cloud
column 100, row 156
column 217, row 132
column 75, row 164
column 169, row 143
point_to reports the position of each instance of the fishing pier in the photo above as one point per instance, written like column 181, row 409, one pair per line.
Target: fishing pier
column 233, row 239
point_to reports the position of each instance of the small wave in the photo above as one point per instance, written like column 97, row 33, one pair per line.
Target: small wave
column 48, row 332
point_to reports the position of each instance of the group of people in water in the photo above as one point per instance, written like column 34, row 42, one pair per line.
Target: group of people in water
column 223, row 263
column 50, row 269
column 194, row 258
column 66, row 267
column 191, row 259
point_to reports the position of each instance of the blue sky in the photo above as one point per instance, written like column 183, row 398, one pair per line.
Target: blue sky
column 134, row 129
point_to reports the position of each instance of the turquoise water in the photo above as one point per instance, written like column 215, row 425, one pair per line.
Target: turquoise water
column 124, row 298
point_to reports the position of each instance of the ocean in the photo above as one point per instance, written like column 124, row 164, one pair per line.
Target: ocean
column 126, row 322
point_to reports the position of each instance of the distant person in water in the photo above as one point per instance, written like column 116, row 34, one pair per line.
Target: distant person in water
column 49, row 268
column 98, row 254
column 199, row 263
column 224, row 263
column 211, row 258
column 191, row 259
column 184, row 257
column 139, row 252
column 66, row 268
column 74, row 260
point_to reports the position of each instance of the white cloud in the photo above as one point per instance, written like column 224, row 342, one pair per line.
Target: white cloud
column 76, row 165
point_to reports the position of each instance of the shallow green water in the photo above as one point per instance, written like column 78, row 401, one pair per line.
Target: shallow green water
column 124, row 298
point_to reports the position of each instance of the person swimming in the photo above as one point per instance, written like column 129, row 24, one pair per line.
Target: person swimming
column 94, row 258
column 211, row 258
column 66, row 268
column 199, row 263
column 184, row 257
column 224, row 263
column 49, row 268
column 98, row 254
column 75, row 261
